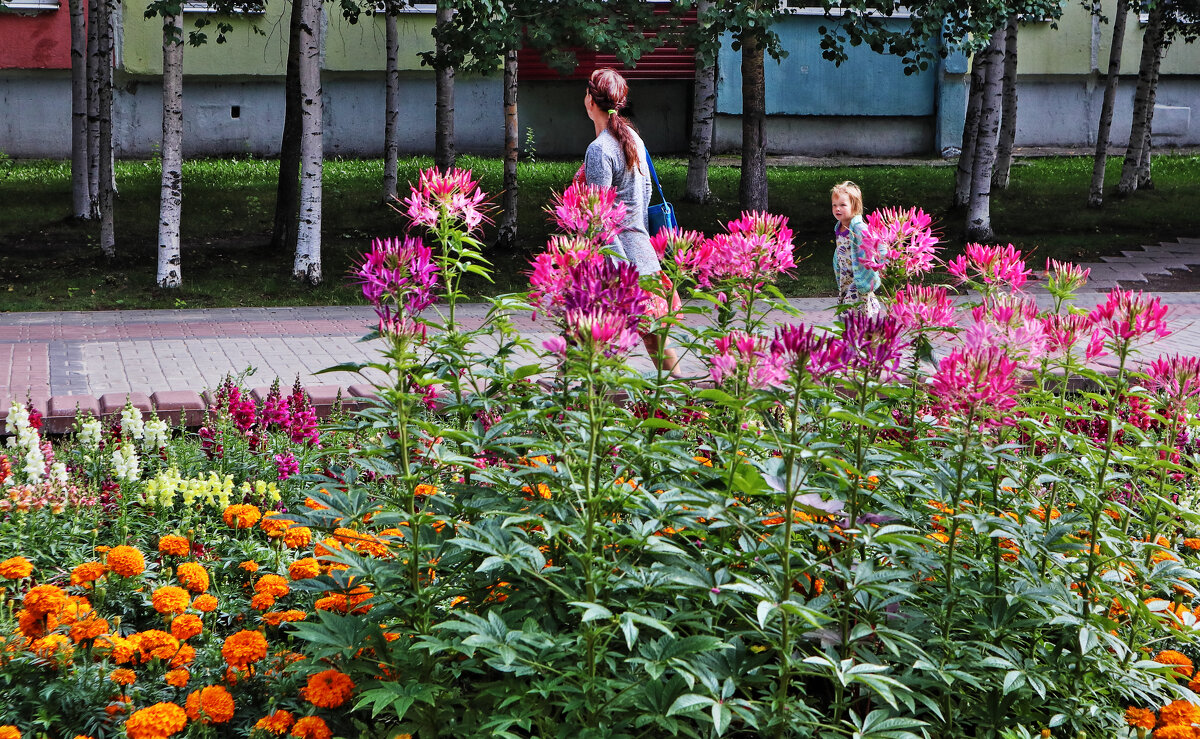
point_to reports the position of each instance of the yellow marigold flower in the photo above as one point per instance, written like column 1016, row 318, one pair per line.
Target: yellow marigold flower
column 243, row 649
column 43, row 600
column 15, row 568
column 210, row 705
column 297, row 537
column 272, row 584
column 10, row 732
column 1140, row 718
column 126, row 561
column 193, row 576
column 87, row 573
column 241, row 515
column 170, row 599
column 311, row 727
column 1178, row 713
column 178, row 677
column 303, row 569
column 328, row 689
column 156, row 722
column 274, row 618
column 273, row 525
column 175, row 546
column 1183, row 665
column 186, row 626
column 277, row 723
column 205, row 603
column 123, row 676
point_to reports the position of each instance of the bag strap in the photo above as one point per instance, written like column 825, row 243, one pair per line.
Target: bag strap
column 654, row 175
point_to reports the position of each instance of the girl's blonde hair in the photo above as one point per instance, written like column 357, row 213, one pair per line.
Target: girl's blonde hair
column 852, row 191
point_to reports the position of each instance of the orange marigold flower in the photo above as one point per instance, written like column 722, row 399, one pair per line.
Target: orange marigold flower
column 1175, row 732
column 272, row 585
column 156, row 722
column 87, row 573
column 118, row 705
column 312, row 727
column 274, row 618
column 297, row 537
column 185, row 656
column 91, row 627
column 170, row 599
column 175, row 546
column 244, row 649
column 277, row 723
column 249, row 566
column 241, row 515
column 186, row 626
column 117, row 648
column 262, row 602
column 43, row 600
column 205, row 603
column 1192, row 543
column 49, row 646
column 33, row 625
column 178, row 677
column 123, row 676
column 1183, row 665
column 193, row 576
column 273, row 525
column 155, row 644
column 303, row 569
column 10, row 732
column 210, row 705
column 126, row 561
column 328, row 689
column 15, row 568
column 1178, row 713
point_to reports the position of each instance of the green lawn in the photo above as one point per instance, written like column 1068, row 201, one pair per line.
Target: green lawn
column 50, row 262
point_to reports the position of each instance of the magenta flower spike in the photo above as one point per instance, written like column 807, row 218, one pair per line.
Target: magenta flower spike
column 804, row 352
column 590, row 211
column 990, row 265
column 739, row 354
column 917, row 307
column 453, row 196
column 899, row 240
column 974, row 382
column 1063, row 331
column 551, row 276
column 1177, row 377
column 602, row 305
column 1125, row 317
column 1064, row 278
column 874, row 346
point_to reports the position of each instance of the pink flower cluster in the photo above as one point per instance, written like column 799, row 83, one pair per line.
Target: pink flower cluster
column 398, row 277
column 899, row 241
column 991, row 265
column 1063, row 278
column 1126, row 317
column 749, row 356
column 551, row 272
column 979, row 382
column 917, row 307
column 1177, row 377
column 602, row 304
column 590, row 211
column 449, row 200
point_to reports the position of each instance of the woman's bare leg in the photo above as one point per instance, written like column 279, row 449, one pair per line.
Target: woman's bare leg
column 670, row 361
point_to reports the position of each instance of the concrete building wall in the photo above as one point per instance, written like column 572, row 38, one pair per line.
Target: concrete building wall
column 1064, row 110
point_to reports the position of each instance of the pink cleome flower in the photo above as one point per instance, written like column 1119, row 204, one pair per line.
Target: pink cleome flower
column 590, row 211
column 975, row 382
column 991, row 265
column 452, row 199
column 740, row 354
column 917, row 307
column 899, row 240
column 1125, row 317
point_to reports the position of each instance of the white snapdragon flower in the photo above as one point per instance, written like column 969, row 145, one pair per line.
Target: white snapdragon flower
column 155, row 434
column 131, row 422
column 89, row 434
column 35, row 463
column 18, row 418
column 125, row 463
column 58, row 473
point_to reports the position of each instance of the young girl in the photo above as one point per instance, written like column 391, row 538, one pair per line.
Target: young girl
column 856, row 284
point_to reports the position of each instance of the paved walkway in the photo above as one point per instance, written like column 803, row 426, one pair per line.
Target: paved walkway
column 94, row 360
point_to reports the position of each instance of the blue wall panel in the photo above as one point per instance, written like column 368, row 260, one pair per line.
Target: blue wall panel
column 804, row 83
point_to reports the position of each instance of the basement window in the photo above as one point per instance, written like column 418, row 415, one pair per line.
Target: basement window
column 28, row 6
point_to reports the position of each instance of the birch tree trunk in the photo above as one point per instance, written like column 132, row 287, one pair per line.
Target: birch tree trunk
column 81, row 194
column 979, row 216
column 391, row 115
column 704, row 107
column 108, row 239
column 287, row 190
column 507, row 231
column 170, row 203
column 1144, row 179
column 1008, row 115
column 1143, row 108
column 753, row 188
column 307, row 267
column 443, row 125
column 1096, row 193
column 966, row 157
column 93, row 106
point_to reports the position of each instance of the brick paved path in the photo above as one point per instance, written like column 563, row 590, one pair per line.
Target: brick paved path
column 82, row 359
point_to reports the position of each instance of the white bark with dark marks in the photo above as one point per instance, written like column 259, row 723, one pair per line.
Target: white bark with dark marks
column 391, row 115
column 704, row 108
column 443, row 125
column 979, row 208
column 307, row 266
column 170, row 204
column 1008, row 115
column 506, row 236
column 93, row 105
column 81, row 194
column 966, row 156
column 1143, row 101
column 108, row 238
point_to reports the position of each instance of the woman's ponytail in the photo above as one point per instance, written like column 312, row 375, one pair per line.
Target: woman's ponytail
column 609, row 92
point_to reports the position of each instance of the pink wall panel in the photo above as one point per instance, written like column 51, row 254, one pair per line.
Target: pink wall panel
column 36, row 40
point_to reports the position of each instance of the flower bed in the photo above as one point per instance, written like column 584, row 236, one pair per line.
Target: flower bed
column 839, row 535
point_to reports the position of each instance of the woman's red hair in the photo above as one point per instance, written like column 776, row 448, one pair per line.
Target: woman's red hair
column 609, row 92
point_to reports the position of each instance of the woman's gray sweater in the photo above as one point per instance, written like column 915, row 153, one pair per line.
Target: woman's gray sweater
column 604, row 164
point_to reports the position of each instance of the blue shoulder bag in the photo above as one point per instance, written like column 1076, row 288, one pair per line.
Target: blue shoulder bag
column 659, row 215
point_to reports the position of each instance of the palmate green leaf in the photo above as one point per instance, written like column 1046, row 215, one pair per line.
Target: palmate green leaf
column 397, row 697
column 688, row 702
column 878, row 724
column 592, row 611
